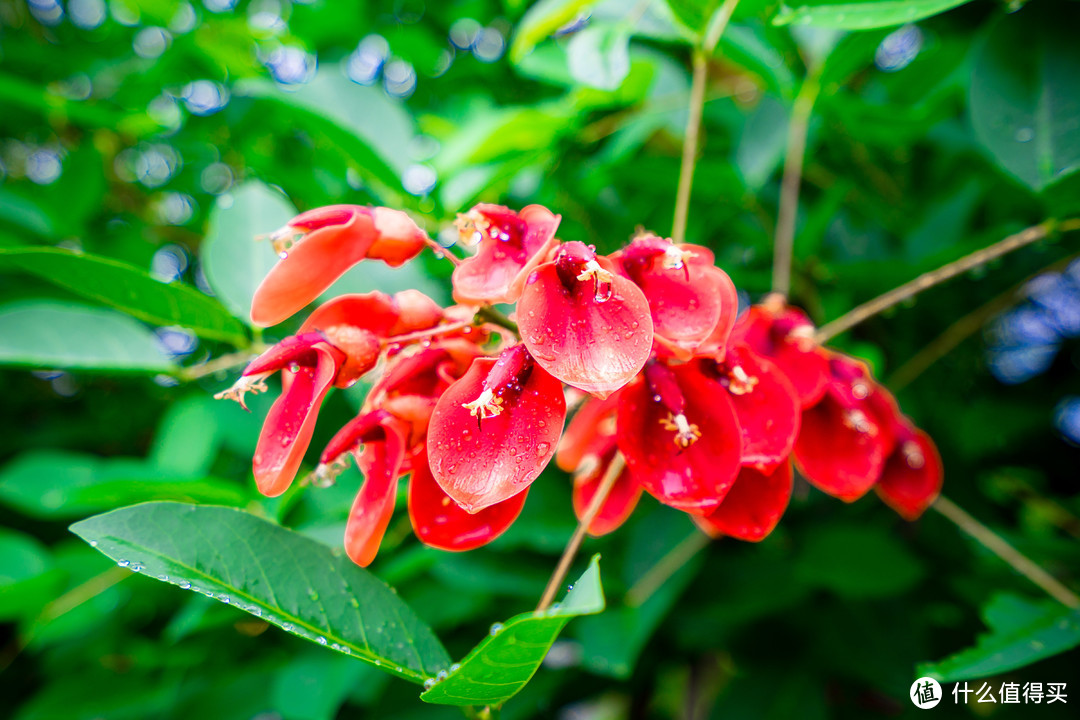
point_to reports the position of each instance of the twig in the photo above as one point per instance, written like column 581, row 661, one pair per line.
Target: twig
column 493, row 316
column 962, row 329
column 667, row 566
column 693, row 121
column 929, row 279
column 559, row 576
column 798, row 128
column 995, row 544
column 429, row 332
column 219, row 364
column 441, row 252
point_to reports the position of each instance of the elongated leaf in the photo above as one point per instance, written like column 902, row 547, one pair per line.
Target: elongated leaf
column 860, row 14
column 129, row 289
column 287, row 579
column 1021, row 632
column 599, row 56
column 49, row 334
column 234, row 262
column 1024, row 105
column 52, row 485
column 544, row 19
column 500, row 666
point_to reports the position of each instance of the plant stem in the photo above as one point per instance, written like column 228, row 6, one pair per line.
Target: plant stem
column 995, row 544
column 493, row 316
column 798, row 127
column 962, row 329
column 946, row 272
column 700, row 65
column 667, row 566
column 559, row 576
column 442, row 252
column 429, row 332
column 219, row 364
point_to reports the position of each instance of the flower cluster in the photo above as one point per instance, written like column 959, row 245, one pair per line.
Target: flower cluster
column 676, row 394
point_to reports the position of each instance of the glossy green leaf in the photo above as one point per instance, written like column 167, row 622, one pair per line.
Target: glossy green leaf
column 599, row 56
column 1021, row 632
column 500, row 666
column 50, row 334
column 860, row 14
column 276, row 574
column 129, row 289
column 56, row 484
column 543, row 19
column 1024, row 105
column 234, row 261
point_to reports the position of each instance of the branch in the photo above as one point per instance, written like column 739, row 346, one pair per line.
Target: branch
column 220, row 364
column 946, row 272
column 559, row 576
column 798, row 127
column 995, row 544
column 717, row 25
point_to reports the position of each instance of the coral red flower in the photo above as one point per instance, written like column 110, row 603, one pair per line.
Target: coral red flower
column 786, row 336
column 318, row 246
column 587, row 450
column 678, row 430
column 691, row 300
column 511, row 245
column 494, row 430
column 765, row 403
column 912, row 477
column 441, row 523
column 584, row 324
column 846, row 437
column 753, row 506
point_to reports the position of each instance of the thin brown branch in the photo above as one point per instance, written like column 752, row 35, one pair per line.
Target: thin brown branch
column 699, row 79
column 442, row 252
column 962, row 329
column 428, row 333
column 667, row 566
column 997, row 545
column 934, row 277
column 559, row 576
column 220, row 364
column 798, row 127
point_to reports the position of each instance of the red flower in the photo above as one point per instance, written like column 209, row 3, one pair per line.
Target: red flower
column 846, row 437
column 693, row 302
column 511, row 245
column 786, row 336
column 318, row 246
column 753, row 506
column 912, row 477
column 587, row 450
column 678, row 430
column 495, row 429
column 584, row 324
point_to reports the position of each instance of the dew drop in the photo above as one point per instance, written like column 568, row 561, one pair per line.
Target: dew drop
column 321, row 640
column 283, row 254
column 93, row 543
column 496, row 628
column 455, row 667
column 123, row 563
column 184, row 585
column 429, row 683
column 442, row 675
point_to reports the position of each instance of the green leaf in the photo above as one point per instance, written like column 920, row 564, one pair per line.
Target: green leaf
column 694, row 14
column 234, row 262
column 129, row 289
column 1024, row 105
column 1021, row 633
column 599, row 56
column 289, row 580
column 27, row 577
column 861, row 14
column 55, row 484
column 50, row 334
column 542, row 20
column 501, row 665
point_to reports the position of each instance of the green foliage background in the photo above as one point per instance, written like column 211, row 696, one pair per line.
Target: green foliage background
column 161, row 136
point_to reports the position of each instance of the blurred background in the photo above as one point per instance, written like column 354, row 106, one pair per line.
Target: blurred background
column 167, row 134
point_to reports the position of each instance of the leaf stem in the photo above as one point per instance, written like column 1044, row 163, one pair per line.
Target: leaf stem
column 559, row 576
column 798, row 128
column 997, row 545
column 929, row 279
column 717, row 24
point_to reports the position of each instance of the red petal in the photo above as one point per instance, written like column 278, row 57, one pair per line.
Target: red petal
column 374, row 311
column 591, row 432
column 591, row 341
column 497, row 272
column 912, row 478
column 287, row 430
column 753, row 506
column 295, row 349
column 441, row 523
column 620, row 502
column 841, row 449
column 312, row 265
column 416, row 311
column 380, row 462
column 694, row 478
column 482, row 462
column 784, row 337
column 398, row 239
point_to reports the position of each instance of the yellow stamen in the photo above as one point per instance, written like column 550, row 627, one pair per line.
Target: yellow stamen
column 594, row 271
column 484, row 407
column 253, row 384
column 472, row 227
column 739, row 383
column 674, row 258
column 325, row 474
column 686, row 433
